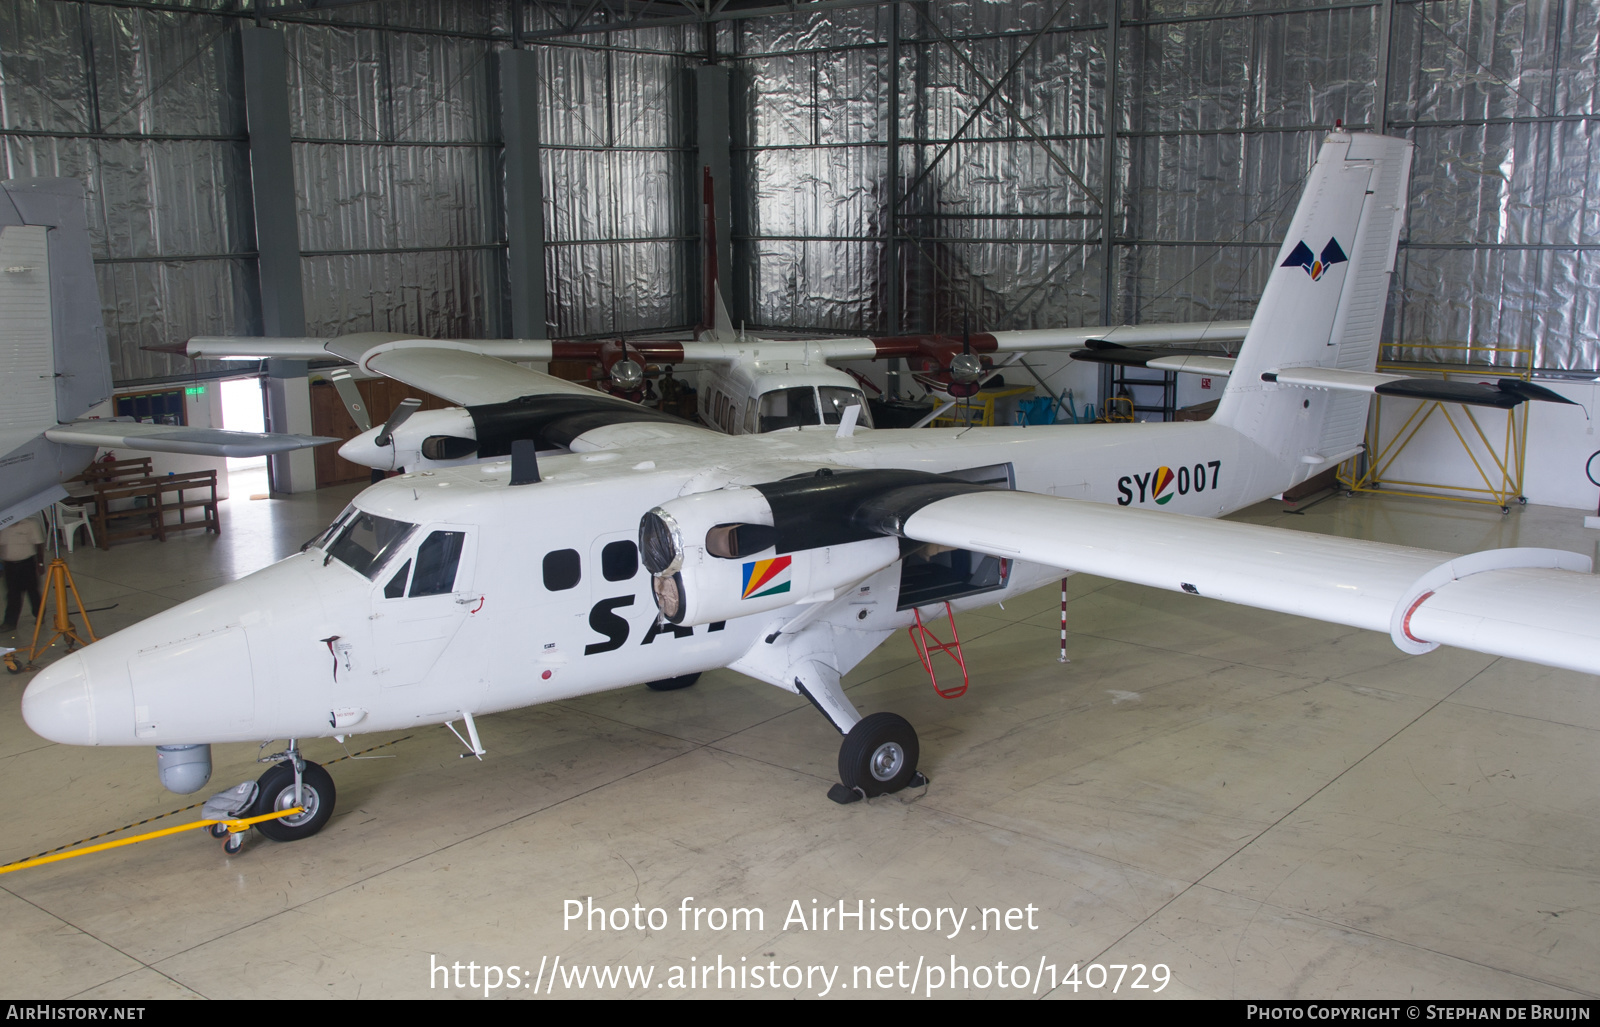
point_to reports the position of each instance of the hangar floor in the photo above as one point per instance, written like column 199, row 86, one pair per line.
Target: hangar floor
column 1268, row 807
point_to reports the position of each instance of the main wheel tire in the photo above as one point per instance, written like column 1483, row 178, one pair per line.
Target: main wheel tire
column 277, row 792
column 879, row 755
column 672, row 684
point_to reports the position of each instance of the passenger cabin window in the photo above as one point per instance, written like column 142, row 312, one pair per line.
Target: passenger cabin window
column 437, row 558
column 619, row 561
column 561, row 570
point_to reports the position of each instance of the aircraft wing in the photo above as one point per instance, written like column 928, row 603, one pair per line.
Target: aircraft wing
column 352, row 348
column 1540, row 605
column 467, row 373
column 164, row 438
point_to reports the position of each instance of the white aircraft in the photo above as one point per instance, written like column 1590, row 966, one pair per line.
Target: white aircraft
column 658, row 549
column 53, row 359
column 750, row 385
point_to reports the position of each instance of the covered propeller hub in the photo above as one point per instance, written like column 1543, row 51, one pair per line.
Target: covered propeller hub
column 966, row 367
column 627, row 375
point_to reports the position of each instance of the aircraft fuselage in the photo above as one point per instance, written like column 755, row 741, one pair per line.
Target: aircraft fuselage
column 549, row 599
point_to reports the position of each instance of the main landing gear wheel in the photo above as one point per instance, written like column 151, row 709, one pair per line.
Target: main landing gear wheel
column 277, row 792
column 672, row 684
column 877, row 757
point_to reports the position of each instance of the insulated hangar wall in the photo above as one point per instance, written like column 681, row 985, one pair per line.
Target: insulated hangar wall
column 893, row 167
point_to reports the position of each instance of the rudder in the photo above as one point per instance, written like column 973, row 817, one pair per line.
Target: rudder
column 1323, row 306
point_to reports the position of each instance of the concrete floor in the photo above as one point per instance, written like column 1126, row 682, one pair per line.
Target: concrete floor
column 1265, row 806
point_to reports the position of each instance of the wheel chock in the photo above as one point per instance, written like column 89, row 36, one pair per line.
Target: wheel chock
column 845, row 796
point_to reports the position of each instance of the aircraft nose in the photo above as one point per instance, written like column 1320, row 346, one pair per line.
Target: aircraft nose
column 58, row 703
column 364, row 450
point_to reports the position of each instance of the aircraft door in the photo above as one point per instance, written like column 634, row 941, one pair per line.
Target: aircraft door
column 617, row 593
column 424, row 597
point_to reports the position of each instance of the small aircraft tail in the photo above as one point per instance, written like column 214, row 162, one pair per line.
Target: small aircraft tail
column 1323, row 307
column 716, row 324
column 51, row 304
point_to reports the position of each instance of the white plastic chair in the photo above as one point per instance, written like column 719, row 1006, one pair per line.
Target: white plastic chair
column 69, row 519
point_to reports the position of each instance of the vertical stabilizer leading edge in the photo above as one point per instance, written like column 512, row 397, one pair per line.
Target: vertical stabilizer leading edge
column 1323, row 307
column 716, row 324
column 82, row 373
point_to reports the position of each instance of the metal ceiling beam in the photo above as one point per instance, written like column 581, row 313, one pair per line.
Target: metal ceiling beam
column 621, row 15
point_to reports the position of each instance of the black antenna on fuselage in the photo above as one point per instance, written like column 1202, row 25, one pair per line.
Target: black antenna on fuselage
column 524, row 462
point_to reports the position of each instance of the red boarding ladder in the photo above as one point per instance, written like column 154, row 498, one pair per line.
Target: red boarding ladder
column 927, row 643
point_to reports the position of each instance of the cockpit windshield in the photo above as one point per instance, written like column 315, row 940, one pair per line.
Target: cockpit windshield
column 835, row 400
column 789, row 408
column 366, row 541
column 326, row 535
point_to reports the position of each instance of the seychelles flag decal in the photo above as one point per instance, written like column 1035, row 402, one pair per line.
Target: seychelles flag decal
column 766, row 577
column 1158, row 487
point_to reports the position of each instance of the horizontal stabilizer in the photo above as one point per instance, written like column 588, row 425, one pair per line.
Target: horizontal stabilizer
column 1220, row 366
column 164, row 438
column 1528, row 604
column 1504, row 394
column 1098, row 351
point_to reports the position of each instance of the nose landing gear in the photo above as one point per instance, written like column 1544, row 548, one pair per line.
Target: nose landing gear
column 279, row 786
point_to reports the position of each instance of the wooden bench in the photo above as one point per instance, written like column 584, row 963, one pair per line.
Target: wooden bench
column 111, row 470
column 159, row 495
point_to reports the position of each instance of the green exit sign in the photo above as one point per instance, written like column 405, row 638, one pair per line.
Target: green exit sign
column 195, row 390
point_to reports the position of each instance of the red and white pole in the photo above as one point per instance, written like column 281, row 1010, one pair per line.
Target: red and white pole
column 1064, row 622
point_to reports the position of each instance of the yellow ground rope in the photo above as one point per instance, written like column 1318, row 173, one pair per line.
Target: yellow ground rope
column 50, row 855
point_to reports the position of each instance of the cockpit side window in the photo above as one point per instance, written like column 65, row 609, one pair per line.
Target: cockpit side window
column 437, row 558
column 397, row 584
column 835, row 400
column 366, row 542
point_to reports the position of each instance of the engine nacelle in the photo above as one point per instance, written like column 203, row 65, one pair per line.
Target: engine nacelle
column 717, row 556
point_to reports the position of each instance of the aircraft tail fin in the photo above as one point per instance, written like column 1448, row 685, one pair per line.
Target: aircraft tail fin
column 1323, row 306
column 50, row 213
column 714, row 318
column 27, row 346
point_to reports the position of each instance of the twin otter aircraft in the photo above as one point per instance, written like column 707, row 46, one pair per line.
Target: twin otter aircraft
column 652, row 549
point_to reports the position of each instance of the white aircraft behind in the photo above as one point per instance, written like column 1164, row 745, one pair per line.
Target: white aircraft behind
column 656, row 549
column 750, row 385
column 53, row 360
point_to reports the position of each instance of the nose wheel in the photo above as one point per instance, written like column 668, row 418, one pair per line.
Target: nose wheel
column 877, row 757
column 315, row 796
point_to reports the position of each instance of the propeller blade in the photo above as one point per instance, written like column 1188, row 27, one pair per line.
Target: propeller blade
column 406, row 408
column 345, row 386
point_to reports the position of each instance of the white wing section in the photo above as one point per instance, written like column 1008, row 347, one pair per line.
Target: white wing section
column 1529, row 604
column 1180, row 334
column 1222, row 367
column 351, row 347
column 461, row 375
column 162, row 438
